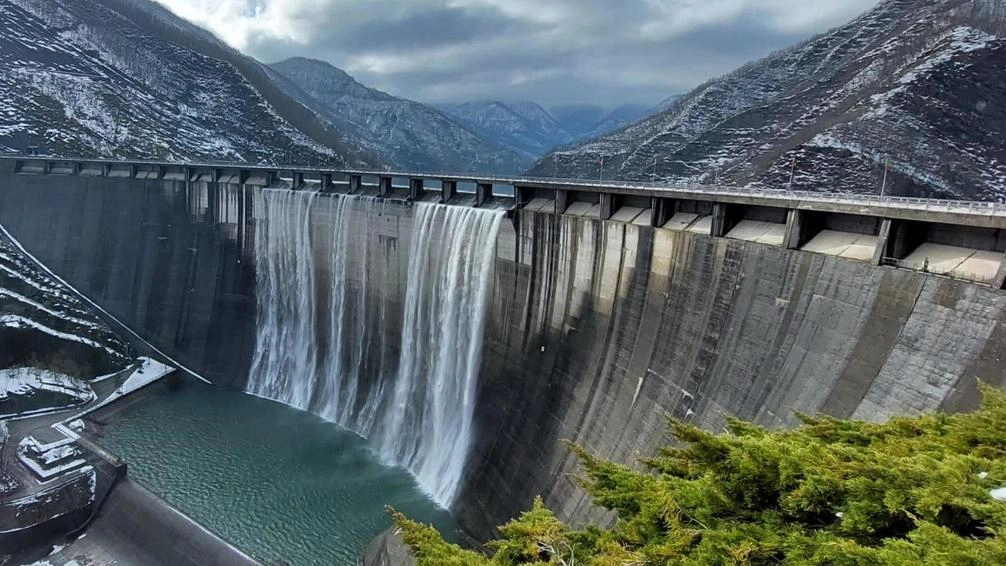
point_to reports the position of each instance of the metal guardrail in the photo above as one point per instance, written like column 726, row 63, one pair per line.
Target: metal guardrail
column 910, row 203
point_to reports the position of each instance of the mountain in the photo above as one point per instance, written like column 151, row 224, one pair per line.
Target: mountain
column 579, row 119
column 669, row 102
column 407, row 134
column 128, row 79
column 625, row 114
column 913, row 84
column 524, row 127
column 528, row 128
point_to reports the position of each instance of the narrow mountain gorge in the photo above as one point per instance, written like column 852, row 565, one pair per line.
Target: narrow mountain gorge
column 532, row 131
column 126, row 78
column 407, row 134
column 525, row 127
column 904, row 99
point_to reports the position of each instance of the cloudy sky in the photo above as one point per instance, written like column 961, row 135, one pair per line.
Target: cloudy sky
column 605, row 52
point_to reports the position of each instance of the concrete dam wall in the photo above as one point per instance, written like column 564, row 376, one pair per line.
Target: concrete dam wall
column 170, row 259
column 602, row 329
column 595, row 331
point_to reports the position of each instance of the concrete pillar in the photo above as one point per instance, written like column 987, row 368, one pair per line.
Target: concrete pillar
column 1000, row 281
column 384, row 185
column 483, row 192
column 607, row 206
column 326, row 183
column 450, row 188
column 661, row 210
column 796, row 229
column 355, row 183
column 883, row 237
column 415, row 188
column 298, row 179
column 522, row 195
column 903, row 237
column 720, row 227
column 561, row 201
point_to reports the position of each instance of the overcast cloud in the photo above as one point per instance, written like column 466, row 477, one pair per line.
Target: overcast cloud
column 551, row 51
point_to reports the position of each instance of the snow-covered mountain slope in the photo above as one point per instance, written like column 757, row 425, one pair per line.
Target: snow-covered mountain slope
column 126, row 78
column 524, row 127
column 45, row 325
column 407, row 134
column 917, row 85
column 617, row 118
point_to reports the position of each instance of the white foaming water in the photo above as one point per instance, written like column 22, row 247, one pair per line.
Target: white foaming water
column 328, row 343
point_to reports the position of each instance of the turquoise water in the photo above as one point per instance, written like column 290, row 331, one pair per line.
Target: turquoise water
column 280, row 484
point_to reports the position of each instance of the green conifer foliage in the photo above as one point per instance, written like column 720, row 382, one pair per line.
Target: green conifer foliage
column 837, row 492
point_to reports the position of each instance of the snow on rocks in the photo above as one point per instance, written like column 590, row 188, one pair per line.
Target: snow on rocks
column 15, row 321
column 24, row 382
column 148, row 372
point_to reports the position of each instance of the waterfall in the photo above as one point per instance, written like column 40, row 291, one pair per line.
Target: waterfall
column 343, row 334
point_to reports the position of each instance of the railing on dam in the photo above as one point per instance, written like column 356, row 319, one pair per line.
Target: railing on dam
column 959, row 239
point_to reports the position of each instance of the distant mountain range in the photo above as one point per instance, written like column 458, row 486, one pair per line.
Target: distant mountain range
column 406, row 134
column 531, row 130
column 907, row 98
column 129, row 79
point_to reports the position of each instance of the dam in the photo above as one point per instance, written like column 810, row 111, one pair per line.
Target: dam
column 467, row 326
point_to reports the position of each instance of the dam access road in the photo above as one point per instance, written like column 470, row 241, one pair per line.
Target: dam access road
column 609, row 305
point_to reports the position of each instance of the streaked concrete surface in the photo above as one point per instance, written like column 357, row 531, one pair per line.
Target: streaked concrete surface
column 136, row 528
column 601, row 330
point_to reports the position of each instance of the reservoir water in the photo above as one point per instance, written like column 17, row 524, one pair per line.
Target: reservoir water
column 281, row 484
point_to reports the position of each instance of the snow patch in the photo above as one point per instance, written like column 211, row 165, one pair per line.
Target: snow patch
column 25, row 380
column 148, row 372
column 15, row 321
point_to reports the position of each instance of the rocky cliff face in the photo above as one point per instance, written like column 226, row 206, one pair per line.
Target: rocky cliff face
column 126, row 78
column 407, row 134
column 906, row 91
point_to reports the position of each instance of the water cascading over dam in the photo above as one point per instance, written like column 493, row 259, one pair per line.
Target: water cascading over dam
column 332, row 340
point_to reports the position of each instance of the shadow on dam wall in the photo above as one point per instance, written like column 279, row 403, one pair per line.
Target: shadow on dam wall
column 171, row 260
column 601, row 330
column 596, row 330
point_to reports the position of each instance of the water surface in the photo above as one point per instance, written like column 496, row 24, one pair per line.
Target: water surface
column 278, row 483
